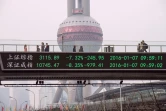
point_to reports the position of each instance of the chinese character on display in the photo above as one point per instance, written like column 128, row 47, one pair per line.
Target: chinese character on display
column 16, row 57
column 23, row 65
column 16, row 64
column 23, row 57
column 30, row 57
column 10, row 57
column 10, row 64
column 30, row 65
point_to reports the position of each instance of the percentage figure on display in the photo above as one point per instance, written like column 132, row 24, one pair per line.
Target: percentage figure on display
column 69, row 65
column 79, row 65
column 70, row 57
column 78, row 57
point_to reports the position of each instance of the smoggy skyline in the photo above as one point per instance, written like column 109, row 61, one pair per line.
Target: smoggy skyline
column 119, row 20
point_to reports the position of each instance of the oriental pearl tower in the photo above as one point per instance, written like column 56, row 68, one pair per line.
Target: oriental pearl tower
column 78, row 29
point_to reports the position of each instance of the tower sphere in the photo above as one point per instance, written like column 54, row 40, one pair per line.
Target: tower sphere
column 80, row 30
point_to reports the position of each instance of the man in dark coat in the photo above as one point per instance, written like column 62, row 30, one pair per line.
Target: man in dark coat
column 47, row 48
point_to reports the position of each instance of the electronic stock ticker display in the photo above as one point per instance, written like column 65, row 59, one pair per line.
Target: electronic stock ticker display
column 82, row 61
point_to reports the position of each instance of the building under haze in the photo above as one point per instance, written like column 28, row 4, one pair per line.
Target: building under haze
column 46, row 91
column 21, row 95
column 4, row 97
column 64, row 97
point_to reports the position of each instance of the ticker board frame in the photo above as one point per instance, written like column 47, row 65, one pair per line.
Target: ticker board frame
column 132, row 74
column 92, row 69
column 83, row 75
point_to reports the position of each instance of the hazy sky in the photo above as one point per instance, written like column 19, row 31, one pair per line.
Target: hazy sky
column 119, row 19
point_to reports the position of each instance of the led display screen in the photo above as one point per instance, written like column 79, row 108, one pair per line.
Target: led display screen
column 82, row 61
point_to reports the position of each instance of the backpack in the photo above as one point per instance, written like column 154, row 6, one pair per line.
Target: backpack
column 146, row 46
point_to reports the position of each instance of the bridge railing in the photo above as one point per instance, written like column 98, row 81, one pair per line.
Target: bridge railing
column 87, row 48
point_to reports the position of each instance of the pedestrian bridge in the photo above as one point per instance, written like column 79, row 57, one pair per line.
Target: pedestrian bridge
column 68, row 48
column 115, row 46
column 96, row 72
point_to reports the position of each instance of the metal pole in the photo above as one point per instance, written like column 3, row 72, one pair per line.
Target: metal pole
column 103, row 101
column 22, row 104
column 161, row 48
column 62, row 43
column 34, row 96
column 62, row 100
column 16, row 48
column 121, row 96
column 62, row 97
column 3, row 48
column 3, row 104
column 15, row 100
column 41, row 100
column 125, row 48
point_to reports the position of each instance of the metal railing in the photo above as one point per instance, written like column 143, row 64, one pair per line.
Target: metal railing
column 87, row 48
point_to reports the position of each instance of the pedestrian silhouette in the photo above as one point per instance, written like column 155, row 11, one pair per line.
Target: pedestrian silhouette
column 74, row 48
column 81, row 49
column 25, row 48
column 47, row 48
column 42, row 47
column 38, row 49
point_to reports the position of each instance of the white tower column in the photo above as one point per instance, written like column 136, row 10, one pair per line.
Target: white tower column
column 70, row 7
column 71, row 93
column 86, row 7
column 58, row 93
column 87, row 91
column 79, row 2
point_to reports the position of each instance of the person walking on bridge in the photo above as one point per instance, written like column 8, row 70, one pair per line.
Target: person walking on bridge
column 144, row 46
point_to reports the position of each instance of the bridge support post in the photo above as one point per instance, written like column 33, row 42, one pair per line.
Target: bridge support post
column 121, row 82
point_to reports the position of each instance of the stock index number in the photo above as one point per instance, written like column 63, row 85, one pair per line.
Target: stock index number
column 49, row 57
